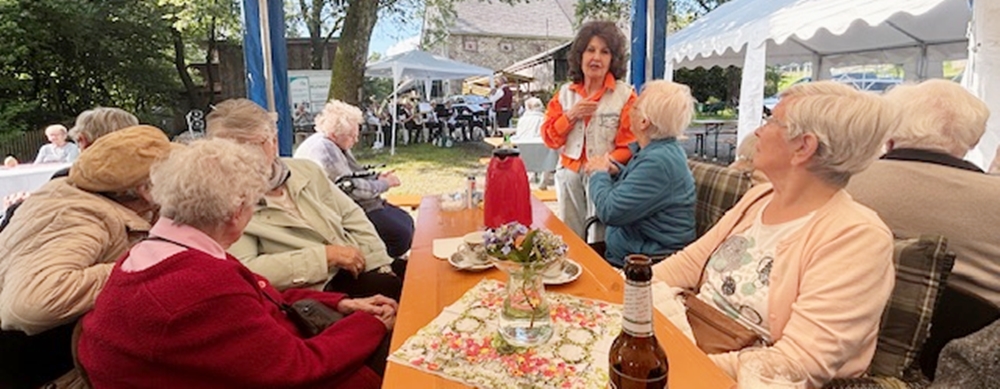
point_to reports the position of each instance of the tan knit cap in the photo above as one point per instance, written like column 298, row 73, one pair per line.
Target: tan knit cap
column 120, row 160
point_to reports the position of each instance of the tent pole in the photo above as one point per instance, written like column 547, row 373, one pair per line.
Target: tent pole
column 265, row 42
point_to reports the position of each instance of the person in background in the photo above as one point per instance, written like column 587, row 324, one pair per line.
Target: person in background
column 923, row 186
column 10, row 161
column 503, row 102
column 529, row 125
column 305, row 233
column 792, row 258
column 58, row 150
column 649, row 206
column 330, row 147
column 57, row 252
column 744, row 160
column 588, row 117
column 178, row 311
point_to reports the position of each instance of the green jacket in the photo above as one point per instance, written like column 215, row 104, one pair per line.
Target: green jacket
column 277, row 245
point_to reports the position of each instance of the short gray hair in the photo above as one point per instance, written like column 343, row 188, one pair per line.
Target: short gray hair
column 534, row 104
column 337, row 118
column 851, row 126
column 668, row 105
column 938, row 115
column 206, row 183
column 241, row 120
column 100, row 121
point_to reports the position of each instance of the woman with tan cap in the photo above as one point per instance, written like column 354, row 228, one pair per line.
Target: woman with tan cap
column 59, row 248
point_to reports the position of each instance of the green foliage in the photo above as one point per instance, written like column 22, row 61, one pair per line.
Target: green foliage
column 60, row 57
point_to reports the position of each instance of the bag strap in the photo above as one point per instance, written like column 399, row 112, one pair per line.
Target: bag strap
column 284, row 307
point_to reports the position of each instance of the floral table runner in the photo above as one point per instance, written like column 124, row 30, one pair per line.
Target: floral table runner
column 462, row 344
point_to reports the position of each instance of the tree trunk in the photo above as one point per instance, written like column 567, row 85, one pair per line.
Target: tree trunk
column 181, row 64
column 314, row 23
column 352, row 51
column 209, row 63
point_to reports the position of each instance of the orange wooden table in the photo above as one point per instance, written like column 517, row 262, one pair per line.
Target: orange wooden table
column 432, row 284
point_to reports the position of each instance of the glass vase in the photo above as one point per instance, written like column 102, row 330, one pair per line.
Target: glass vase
column 524, row 320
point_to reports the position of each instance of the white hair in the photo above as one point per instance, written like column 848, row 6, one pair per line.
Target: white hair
column 938, row 115
column 53, row 128
column 338, row 118
column 206, row 183
column 668, row 105
column 100, row 121
column 242, row 120
column 851, row 126
column 534, row 104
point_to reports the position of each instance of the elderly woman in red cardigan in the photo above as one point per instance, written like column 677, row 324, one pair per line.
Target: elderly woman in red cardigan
column 178, row 311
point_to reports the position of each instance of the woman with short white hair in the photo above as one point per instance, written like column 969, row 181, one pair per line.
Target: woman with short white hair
column 529, row 125
column 791, row 259
column 178, row 311
column 649, row 206
column 304, row 232
column 58, row 150
column 330, row 147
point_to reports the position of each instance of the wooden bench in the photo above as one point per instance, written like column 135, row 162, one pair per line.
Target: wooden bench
column 546, row 196
column 410, row 201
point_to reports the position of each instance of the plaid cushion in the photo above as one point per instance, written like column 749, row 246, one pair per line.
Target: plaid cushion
column 718, row 189
column 922, row 268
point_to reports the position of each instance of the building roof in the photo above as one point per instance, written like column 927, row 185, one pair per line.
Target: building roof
column 535, row 18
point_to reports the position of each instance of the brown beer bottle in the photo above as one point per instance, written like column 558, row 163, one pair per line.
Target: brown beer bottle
column 636, row 360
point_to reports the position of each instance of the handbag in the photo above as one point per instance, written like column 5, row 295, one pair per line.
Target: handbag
column 714, row 331
column 311, row 317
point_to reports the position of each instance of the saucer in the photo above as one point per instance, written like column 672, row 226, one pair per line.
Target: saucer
column 462, row 262
column 570, row 272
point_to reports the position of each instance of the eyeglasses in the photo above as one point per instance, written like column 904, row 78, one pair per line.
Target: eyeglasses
column 772, row 121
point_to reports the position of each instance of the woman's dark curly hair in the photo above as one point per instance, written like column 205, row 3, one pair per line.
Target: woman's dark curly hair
column 611, row 35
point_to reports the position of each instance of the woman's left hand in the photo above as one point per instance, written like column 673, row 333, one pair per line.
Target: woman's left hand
column 377, row 305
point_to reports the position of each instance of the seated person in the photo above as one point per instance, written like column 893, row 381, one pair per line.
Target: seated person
column 305, row 233
column 60, row 246
column 797, row 260
column 649, row 207
column 744, row 160
column 922, row 185
column 330, row 147
column 58, row 150
column 178, row 312
column 529, row 125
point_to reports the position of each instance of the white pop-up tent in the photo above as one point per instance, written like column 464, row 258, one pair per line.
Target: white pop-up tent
column 918, row 34
column 420, row 65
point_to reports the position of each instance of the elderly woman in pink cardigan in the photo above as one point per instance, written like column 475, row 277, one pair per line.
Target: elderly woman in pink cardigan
column 797, row 260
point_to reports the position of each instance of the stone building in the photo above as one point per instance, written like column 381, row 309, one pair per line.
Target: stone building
column 496, row 35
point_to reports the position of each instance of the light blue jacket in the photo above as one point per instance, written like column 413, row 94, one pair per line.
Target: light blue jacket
column 649, row 207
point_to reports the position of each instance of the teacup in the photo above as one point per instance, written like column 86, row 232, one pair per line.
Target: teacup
column 555, row 269
column 473, row 248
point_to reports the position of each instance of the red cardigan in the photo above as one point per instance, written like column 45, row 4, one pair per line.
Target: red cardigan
column 195, row 321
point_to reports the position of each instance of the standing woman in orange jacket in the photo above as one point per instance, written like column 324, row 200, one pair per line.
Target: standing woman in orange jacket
column 588, row 117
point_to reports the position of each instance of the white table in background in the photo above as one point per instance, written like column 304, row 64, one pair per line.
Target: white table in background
column 27, row 177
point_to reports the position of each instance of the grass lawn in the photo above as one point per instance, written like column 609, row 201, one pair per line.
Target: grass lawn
column 427, row 169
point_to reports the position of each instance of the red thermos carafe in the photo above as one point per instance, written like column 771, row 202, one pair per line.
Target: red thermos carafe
column 508, row 197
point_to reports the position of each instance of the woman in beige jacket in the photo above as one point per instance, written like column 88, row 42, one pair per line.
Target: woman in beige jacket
column 798, row 260
column 58, row 250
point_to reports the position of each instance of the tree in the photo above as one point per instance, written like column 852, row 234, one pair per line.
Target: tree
column 193, row 22
column 61, row 57
column 322, row 18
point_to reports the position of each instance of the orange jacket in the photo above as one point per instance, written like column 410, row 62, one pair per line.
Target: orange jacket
column 557, row 126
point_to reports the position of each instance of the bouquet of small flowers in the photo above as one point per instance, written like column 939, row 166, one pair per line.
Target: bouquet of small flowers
column 514, row 242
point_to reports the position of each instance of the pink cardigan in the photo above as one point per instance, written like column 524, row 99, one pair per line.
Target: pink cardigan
column 829, row 285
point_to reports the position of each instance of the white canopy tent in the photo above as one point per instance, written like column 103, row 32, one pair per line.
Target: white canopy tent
column 918, row 34
column 420, row 65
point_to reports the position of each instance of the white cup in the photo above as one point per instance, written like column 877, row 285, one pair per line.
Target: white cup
column 475, row 250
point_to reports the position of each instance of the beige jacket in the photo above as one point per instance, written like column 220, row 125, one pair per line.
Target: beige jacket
column 290, row 253
column 57, row 253
column 828, row 288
